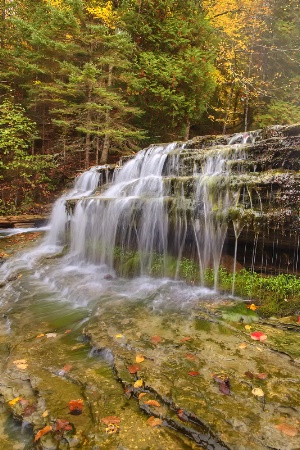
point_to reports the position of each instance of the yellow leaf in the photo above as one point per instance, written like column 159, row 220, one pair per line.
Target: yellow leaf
column 139, row 358
column 258, row 392
column 45, row 414
column 21, row 363
column 253, row 307
column 243, row 345
column 40, row 335
column 119, row 335
column 138, row 384
column 14, row 401
column 248, row 327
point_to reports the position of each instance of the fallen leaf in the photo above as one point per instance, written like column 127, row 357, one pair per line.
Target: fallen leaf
column 253, row 307
column 154, row 421
column 258, row 336
column 193, row 373
column 75, row 407
column 152, row 403
column 67, row 367
column 51, row 335
column 257, row 392
column 112, row 428
column 186, row 339
column 128, row 391
column 156, row 339
column 30, row 409
column 249, row 375
column 142, row 394
column 40, row 335
column 21, row 363
column 45, row 414
column 111, row 419
column 138, row 384
column 248, row 327
column 243, row 345
column 190, row 356
column 134, row 368
column 139, row 358
column 289, row 430
column 14, row 401
column 299, row 319
column 64, row 425
column 42, row 432
column 68, row 331
column 259, row 349
column 119, row 335
column 181, row 415
column 224, row 388
column 261, row 376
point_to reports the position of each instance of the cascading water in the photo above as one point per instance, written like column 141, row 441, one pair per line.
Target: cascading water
column 138, row 212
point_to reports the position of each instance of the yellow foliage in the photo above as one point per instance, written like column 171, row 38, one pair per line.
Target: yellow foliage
column 105, row 13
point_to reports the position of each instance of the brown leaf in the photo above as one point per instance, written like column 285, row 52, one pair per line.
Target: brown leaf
column 181, row 415
column 64, row 425
column 287, row 429
column 152, row 403
column 193, row 373
column 249, row 374
column 42, row 432
column 67, row 367
column 111, row 419
column 154, row 421
column 128, row 391
column 156, row 339
column 134, row 368
column 29, row 410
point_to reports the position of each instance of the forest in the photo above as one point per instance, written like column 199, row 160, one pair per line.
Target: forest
column 84, row 82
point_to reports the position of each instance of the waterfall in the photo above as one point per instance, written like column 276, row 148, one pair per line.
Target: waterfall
column 84, row 185
column 139, row 213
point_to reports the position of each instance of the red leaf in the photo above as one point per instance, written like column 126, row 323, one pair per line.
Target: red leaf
column 193, row 374
column 156, row 339
column 258, row 336
column 134, row 369
column 111, row 419
column 190, row 356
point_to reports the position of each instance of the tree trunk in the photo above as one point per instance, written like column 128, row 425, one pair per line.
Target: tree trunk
column 106, row 143
column 187, row 129
column 88, row 135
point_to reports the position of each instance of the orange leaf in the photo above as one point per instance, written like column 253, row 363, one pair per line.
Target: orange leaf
column 134, row 369
column 42, row 432
column 156, row 339
column 190, row 356
column 289, row 430
column 193, row 374
column 142, row 394
column 261, row 376
column 111, row 419
column 75, row 407
column 185, row 339
column 152, row 403
column 154, row 421
column 67, row 367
